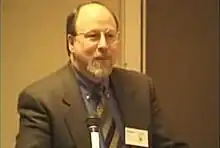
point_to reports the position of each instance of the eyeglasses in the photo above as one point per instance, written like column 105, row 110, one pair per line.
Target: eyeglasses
column 94, row 37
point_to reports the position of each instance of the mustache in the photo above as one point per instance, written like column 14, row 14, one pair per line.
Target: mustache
column 103, row 57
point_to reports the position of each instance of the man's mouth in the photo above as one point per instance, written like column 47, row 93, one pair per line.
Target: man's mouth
column 102, row 58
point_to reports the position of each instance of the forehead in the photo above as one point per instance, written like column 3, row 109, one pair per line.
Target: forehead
column 94, row 17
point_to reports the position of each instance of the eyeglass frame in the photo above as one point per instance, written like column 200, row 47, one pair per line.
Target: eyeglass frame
column 99, row 38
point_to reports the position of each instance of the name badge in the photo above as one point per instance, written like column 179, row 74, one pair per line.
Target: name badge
column 136, row 137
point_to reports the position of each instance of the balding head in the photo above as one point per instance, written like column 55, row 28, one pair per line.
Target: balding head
column 95, row 15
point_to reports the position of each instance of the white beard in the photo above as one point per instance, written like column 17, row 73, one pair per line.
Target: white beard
column 100, row 69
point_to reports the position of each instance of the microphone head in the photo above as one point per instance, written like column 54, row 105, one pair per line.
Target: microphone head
column 93, row 121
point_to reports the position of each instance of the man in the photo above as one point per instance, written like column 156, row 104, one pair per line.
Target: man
column 54, row 111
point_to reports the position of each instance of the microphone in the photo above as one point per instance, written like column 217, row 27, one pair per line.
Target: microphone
column 93, row 125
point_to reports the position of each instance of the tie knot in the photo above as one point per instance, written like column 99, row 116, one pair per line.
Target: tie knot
column 98, row 90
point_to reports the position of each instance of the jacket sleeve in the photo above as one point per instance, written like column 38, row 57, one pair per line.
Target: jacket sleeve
column 159, row 139
column 34, row 123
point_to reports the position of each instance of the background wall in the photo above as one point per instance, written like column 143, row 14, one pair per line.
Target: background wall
column 183, row 59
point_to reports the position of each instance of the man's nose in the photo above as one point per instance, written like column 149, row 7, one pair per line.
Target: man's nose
column 103, row 42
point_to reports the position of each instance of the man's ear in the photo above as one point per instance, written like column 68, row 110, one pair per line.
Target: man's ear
column 70, row 42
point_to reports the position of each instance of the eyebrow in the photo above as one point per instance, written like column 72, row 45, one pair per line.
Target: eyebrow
column 98, row 30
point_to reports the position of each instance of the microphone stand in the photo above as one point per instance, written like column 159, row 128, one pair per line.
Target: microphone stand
column 93, row 123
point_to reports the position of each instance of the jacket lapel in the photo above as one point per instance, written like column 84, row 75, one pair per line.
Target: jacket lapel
column 133, row 102
column 76, row 115
column 123, row 94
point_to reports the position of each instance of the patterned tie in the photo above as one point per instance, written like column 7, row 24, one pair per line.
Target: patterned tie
column 109, row 132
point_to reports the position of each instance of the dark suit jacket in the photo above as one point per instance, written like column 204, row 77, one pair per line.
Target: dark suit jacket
column 52, row 113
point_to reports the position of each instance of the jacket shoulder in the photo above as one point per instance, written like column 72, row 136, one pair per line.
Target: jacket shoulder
column 132, row 75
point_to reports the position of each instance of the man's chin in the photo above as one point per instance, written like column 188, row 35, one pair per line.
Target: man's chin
column 99, row 73
column 99, row 70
